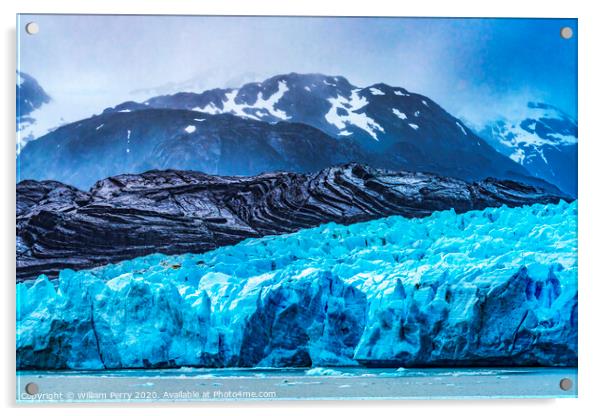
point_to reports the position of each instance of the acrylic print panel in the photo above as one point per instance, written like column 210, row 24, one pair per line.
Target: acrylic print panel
column 233, row 208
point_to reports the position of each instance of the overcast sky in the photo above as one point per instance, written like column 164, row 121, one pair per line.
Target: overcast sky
column 475, row 68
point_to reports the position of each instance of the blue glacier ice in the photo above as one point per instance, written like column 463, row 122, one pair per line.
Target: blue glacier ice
column 490, row 287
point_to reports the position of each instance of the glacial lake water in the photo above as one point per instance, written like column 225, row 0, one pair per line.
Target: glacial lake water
column 203, row 384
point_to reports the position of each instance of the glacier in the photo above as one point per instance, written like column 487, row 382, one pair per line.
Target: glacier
column 491, row 287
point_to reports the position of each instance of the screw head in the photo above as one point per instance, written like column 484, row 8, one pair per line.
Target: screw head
column 32, row 28
column 566, row 32
column 566, row 384
column 31, row 388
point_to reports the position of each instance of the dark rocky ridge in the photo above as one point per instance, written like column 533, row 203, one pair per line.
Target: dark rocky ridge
column 174, row 212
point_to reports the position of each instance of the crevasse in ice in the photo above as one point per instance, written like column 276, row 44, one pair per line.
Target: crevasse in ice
column 491, row 287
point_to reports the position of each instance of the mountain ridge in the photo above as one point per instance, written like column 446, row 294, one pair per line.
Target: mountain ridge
column 306, row 123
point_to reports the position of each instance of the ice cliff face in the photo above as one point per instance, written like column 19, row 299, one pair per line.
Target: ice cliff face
column 491, row 287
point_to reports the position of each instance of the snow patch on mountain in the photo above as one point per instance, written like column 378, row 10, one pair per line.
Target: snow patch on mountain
column 543, row 139
column 399, row 114
column 518, row 156
column 537, row 128
column 262, row 106
column 230, row 105
column 461, row 127
column 129, row 135
column 344, row 112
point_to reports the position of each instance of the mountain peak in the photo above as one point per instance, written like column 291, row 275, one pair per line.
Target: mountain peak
column 374, row 116
column 308, row 119
column 542, row 138
column 30, row 95
column 308, row 78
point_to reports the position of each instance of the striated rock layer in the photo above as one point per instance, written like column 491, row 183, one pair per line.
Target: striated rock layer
column 491, row 287
column 175, row 212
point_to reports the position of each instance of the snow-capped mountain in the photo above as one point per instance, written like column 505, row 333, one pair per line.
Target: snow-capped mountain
column 298, row 123
column 376, row 116
column 408, row 130
column 30, row 97
column 543, row 139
